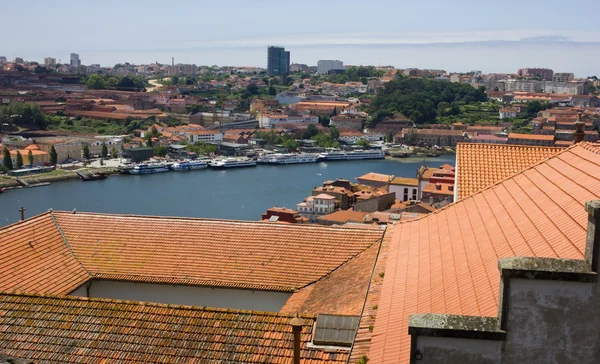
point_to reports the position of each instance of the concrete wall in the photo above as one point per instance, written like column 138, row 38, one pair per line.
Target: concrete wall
column 186, row 295
column 552, row 322
column 375, row 204
column 549, row 321
column 455, row 350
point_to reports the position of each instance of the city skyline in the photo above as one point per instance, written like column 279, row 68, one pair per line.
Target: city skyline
column 399, row 34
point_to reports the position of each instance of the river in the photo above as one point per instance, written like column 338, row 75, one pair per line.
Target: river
column 243, row 193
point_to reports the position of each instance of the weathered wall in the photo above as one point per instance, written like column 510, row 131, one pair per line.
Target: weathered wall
column 453, row 350
column 379, row 203
column 186, row 295
column 553, row 322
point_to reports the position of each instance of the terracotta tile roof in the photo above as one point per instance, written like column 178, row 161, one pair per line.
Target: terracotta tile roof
column 35, row 258
column 444, row 189
column 447, row 262
column 76, row 330
column 376, row 177
column 344, row 216
column 402, row 181
column 482, row 165
column 342, row 292
column 324, row 196
column 530, row 136
column 218, row 253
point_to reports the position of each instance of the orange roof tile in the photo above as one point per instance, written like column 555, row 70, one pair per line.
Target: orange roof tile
column 76, row 330
column 218, row 253
column 530, row 136
column 447, row 262
column 35, row 258
column 342, row 292
column 376, row 177
column 444, row 189
column 402, row 181
column 344, row 216
column 481, row 165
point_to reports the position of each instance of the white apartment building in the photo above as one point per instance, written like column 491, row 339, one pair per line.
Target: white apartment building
column 49, row 61
column 324, row 66
column 563, row 77
column 522, row 86
column 269, row 120
column 206, row 136
column 3, row 60
column 570, row 88
column 320, row 204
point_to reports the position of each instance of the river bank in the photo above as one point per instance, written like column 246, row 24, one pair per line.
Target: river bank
column 54, row 176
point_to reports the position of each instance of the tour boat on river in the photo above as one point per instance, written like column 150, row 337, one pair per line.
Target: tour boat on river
column 148, row 168
column 189, row 165
column 232, row 163
column 353, row 155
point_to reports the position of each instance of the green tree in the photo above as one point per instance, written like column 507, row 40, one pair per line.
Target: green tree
column 310, row 132
column 363, row 143
column 324, row 120
column 334, row 132
column 389, row 137
column 160, row 150
column 19, row 160
column 6, row 159
column 149, row 142
column 272, row 91
column 30, row 158
column 95, row 82
column 252, row 88
column 334, row 113
column 53, row 155
column 174, row 80
column 86, row 152
column 290, row 144
column 104, row 152
column 113, row 153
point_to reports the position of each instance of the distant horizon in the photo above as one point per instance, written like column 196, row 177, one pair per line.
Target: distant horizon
column 456, row 36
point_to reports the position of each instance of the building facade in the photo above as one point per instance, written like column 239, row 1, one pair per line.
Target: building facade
column 75, row 61
column 544, row 73
column 326, row 65
column 278, row 61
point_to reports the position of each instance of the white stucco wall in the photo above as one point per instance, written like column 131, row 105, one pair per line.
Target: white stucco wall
column 186, row 295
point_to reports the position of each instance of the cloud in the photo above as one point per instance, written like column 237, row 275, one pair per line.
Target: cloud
column 398, row 38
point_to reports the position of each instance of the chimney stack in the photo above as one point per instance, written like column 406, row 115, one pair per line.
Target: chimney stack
column 592, row 240
column 579, row 134
column 297, row 324
column 22, row 211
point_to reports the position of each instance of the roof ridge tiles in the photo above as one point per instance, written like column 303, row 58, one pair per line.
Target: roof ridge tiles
column 155, row 304
column 201, row 219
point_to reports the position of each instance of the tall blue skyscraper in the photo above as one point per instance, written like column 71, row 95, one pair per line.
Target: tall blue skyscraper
column 278, row 62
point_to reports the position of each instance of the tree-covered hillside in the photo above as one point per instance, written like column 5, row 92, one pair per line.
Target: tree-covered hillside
column 422, row 100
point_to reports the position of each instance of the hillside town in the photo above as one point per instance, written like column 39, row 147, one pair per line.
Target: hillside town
column 486, row 252
column 71, row 106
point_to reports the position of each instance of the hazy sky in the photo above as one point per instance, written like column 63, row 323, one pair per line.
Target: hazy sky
column 453, row 35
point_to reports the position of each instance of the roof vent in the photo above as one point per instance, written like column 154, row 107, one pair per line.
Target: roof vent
column 335, row 330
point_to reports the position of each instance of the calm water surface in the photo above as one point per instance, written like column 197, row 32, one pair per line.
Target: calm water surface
column 243, row 193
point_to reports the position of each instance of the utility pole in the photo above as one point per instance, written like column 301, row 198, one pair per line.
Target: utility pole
column 22, row 210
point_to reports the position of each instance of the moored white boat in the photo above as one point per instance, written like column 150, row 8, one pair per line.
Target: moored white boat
column 148, row 168
column 353, row 155
column 189, row 165
column 232, row 163
column 292, row 158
